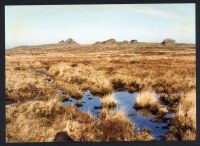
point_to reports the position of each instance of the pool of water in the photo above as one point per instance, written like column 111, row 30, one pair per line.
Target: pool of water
column 90, row 103
column 126, row 100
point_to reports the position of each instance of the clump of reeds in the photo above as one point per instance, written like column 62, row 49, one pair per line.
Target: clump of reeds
column 68, row 89
column 114, row 125
column 146, row 99
column 170, row 100
column 24, row 120
column 183, row 124
column 108, row 101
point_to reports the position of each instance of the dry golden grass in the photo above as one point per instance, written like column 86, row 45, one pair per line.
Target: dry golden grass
column 114, row 126
column 187, row 107
column 99, row 68
column 146, row 100
column 82, row 76
column 108, row 101
column 166, row 69
column 171, row 101
column 41, row 121
column 183, row 125
column 68, row 89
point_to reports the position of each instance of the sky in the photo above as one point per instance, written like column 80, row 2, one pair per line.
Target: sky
column 43, row 24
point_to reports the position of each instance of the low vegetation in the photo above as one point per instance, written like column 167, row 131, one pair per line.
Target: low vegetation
column 183, row 125
column 171, row 101
column 108, row 101
column 24, row 120
column 68, row 89
column 35, row 73
column 114, row 126
column 63, row 123
column 146, row 100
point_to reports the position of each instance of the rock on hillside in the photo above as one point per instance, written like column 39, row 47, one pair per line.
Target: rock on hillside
column 110, row 41
column 125, row 42
column 68, row 41
column 98, row 42
column 134, row 41
column 61, row 42
column 168, row 41
column 113, row 41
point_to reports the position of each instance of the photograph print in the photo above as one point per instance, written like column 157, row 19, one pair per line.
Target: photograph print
column 100, row 72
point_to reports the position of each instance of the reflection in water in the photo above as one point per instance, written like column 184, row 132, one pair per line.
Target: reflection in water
column 141, row 118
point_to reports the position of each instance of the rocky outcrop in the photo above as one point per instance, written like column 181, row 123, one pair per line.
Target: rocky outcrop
column 113, row 41
column 97, row 43
column 168, row 41
column 68, row 41
column 125, row 42
column 110, row 41
column 61, row 42
column 133, row 41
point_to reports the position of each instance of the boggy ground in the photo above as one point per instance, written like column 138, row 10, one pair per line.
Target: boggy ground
column 33, row 75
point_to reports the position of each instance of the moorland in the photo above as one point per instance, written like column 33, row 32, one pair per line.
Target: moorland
column 162, row 78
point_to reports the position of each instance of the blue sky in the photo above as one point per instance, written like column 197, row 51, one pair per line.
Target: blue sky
column 31, row 25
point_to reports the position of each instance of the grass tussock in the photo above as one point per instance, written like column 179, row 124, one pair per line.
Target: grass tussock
column 114, row 126
column 31, row 91
column 24, row 120
column 108, row 101
column 171, row 101
column 147, row 100
column 56, row 122
column 68, row 89
column 183, row 125
column 81, row 76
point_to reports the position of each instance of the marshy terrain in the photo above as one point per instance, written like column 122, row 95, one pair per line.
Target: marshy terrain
column 101, row 92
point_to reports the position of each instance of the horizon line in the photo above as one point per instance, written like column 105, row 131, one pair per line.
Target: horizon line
column 117, row 41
